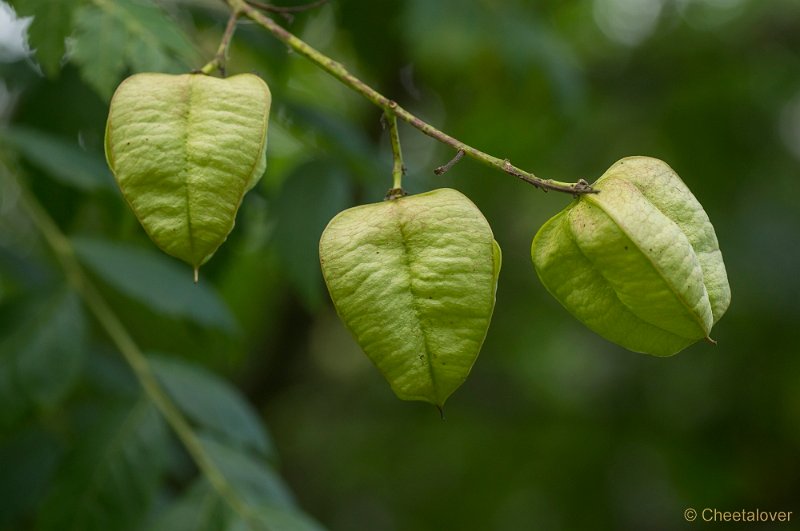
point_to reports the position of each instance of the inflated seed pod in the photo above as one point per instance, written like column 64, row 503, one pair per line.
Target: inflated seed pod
column 639, row 262
column 184, row 149
column 414, row 280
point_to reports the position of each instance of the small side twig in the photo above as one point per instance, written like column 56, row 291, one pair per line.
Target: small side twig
column 441, row 170
column 221, row 57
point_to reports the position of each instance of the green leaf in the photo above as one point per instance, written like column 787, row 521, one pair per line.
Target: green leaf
column 43, row 358
column 272, row 518
column 414, row 280
column 184, row 150
column 52, row 24
column 109, row 479
column 153, row 32
column 639, row 262
column 310, row 197
column 202, row 509
column 145, row 58
column 155, row 281
column 256, row 498
column 62, row 159
column 199, row 509
column 252, row 478
column 212, row 403
column 112, row 36
column 99, row 48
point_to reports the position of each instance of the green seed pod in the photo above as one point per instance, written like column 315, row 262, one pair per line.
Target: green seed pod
column 414, row 279
column 639, row 262
column 184, row 150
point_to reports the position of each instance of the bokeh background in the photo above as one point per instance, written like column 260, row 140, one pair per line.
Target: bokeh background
column 556, row 428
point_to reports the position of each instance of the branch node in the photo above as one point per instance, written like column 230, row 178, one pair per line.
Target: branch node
column 582, row 187
column 395, row 193
column 441, row 170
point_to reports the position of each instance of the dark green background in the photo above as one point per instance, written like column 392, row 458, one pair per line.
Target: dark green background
column 555, row 428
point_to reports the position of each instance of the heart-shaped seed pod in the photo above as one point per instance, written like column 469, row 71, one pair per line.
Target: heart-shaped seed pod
column 184, row 149
column 414, row 279
column 639, row 262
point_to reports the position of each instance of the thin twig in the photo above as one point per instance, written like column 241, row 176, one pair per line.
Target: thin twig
column 221, row 57
column 338, row 71
column 441, row 170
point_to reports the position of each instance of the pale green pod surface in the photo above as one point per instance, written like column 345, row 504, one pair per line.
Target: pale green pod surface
column 414, row 279
column 184, row 150
column 639, row 262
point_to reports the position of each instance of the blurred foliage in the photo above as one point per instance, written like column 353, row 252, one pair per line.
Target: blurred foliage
column 556, row 428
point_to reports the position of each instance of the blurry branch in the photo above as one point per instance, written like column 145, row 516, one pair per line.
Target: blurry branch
column 287, row 11
column 391, row 108
column 119, row 335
